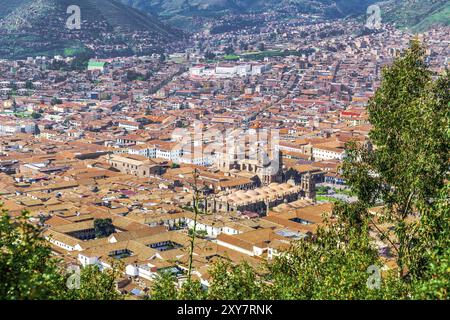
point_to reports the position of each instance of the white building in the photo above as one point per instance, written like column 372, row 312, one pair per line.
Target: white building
column 226, row 70
column 197, row 70
column 328, row 153
column 9, row 128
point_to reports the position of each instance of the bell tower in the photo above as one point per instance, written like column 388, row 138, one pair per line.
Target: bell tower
column 308, row 186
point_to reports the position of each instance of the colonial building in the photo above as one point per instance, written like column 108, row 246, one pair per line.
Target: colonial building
column 135, row 165
column 260, row 165
column 260, row 200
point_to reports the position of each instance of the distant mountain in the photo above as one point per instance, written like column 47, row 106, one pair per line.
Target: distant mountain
column 199, row 7
column 108, row 28
column 179, row 12
column 416, row 15
column 7, row 7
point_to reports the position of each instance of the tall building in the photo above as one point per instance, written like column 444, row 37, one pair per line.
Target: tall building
column 255, row 162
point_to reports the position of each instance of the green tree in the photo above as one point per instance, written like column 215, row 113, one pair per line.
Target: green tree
column 103, row 228
column 234, row 282
column 202, row 234
column 408, row 165
column 404, row 168
column 192, row 290
column 96, row 284
column 31, row 272
column 210, row 55
column 332, row 264
column 29, row 85
column 243, row 46
column 55, row 101
column 28, row 271
column 80, row 62
column 229, row 50
column 434, row 231
column 164, row 287
column 36, row 115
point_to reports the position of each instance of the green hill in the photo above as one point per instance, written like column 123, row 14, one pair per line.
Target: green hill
column 416, row 15
column 31, row 27
column 7, row 7
column 180, row 12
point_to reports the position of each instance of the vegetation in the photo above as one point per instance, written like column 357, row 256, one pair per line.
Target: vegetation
column 33, row 28
column 231, row 57
column 322, row 190
column 326, row 199
column 272, row 53
column 406, row 172
column 408, row 168
column 31, row 272
column 181, row 15
column 55, row 101
column 104, row 281
column 229, row 50
column 27, row 270
column 103, row 228
column 210, row 56
column 165, row 288
column 80, row 61
column 36, row 115
column 417, row 15
column 202, row 234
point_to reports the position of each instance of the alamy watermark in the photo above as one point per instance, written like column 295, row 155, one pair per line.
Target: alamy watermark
column 254, row 147
column 74, row 20
column 374, row 17
column 74, row 280
column 374, row 280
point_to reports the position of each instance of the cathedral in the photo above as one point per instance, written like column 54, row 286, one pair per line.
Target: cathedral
column 265, row 167
column 257, row 163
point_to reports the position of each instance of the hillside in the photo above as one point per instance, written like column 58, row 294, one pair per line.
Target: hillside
column 205, row 7
column 417, row 15
column 7, row 7
column 31, row 27
column 181, row 12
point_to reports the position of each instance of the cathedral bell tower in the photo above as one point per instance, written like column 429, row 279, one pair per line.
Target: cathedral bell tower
column 308, row 186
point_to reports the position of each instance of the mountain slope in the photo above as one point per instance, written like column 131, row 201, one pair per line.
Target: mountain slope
column 39, row 26
column 175, row 11
column 167, row 7
column 416, row 15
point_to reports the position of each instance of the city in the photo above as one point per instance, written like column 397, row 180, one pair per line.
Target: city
column 229, row 144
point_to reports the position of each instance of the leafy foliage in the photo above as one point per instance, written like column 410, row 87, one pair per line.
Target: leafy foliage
column 404, row 169
column 31, row 272
column 103, row 228
column 28, row 272
column 408, row 166
column 164, row 288
column 234, row 282
column 104, row 281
